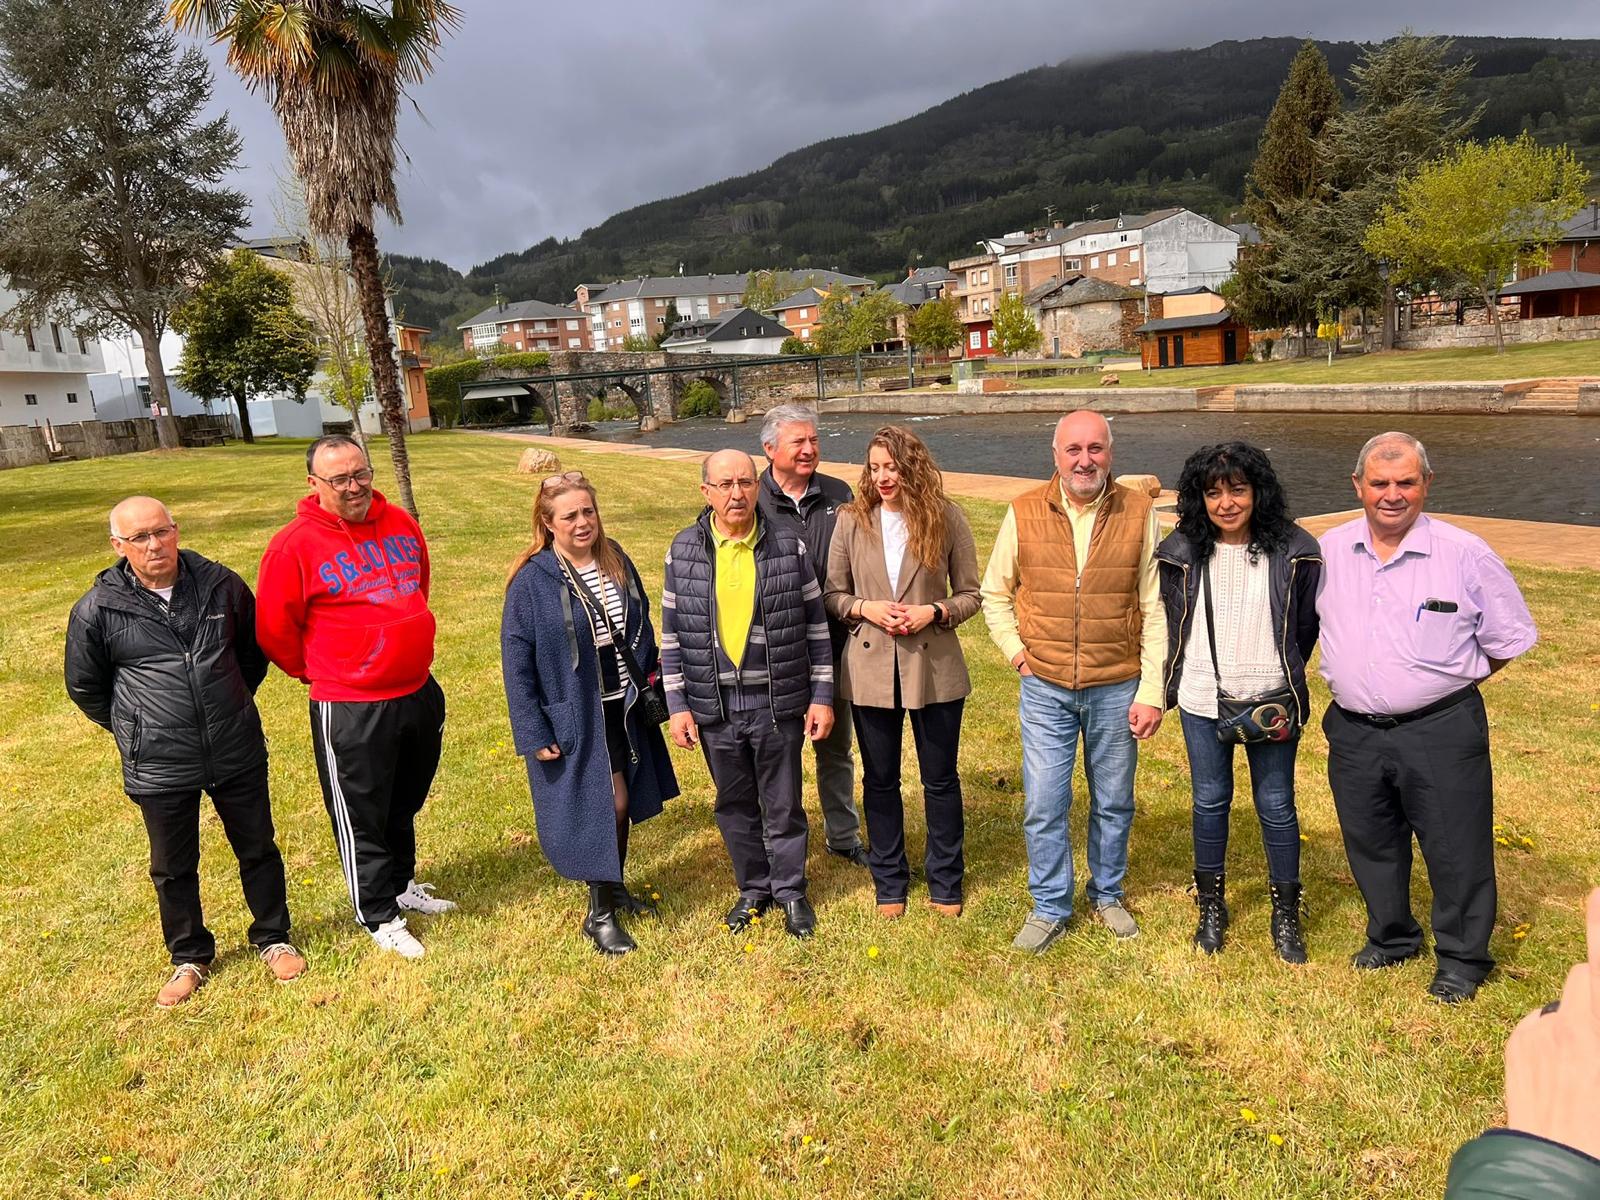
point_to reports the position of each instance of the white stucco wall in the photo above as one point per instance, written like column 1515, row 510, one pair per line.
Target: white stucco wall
column 1187, row 250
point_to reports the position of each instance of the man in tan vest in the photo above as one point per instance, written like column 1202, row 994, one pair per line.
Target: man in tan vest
column 1072, row 600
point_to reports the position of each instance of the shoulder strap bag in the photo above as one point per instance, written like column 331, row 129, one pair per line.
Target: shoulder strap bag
column 652, row 695
column 1270, row 717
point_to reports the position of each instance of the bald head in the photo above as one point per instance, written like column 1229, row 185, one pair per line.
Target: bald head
column 144, row 533
column 1082, row 448
column 728, row 483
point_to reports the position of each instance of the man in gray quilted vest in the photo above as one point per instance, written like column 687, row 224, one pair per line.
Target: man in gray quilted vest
column 748, row 670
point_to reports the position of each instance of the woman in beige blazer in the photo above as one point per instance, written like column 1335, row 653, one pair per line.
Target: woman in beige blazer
column 902, row 574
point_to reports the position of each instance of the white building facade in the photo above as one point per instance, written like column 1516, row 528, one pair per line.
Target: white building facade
column 44, row 372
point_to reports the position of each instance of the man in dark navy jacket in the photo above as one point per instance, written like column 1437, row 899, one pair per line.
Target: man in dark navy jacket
column 162, row 652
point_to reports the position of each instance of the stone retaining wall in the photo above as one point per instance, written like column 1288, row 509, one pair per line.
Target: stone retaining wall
column 27, row 445
column 1539, row 329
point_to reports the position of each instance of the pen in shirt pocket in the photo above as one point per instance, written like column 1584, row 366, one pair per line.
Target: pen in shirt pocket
column 1438, row 606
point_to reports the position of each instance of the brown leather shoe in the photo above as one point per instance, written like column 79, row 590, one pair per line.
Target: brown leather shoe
column 945, row 910
column 284, row 961
column 892, row 912
column 187, row 979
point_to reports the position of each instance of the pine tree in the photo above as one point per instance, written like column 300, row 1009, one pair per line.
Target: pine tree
column 1288, row 166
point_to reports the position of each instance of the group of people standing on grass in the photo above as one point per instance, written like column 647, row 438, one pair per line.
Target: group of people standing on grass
column 796, row 610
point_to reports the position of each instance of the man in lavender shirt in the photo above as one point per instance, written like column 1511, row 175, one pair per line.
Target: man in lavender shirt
column 1415, row 613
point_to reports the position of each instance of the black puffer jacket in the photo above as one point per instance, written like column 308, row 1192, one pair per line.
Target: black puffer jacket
column 1293, row 575
column 183, row 716
column 811, row 519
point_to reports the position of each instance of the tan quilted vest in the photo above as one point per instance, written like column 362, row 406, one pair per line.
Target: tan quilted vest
column 1080, row 629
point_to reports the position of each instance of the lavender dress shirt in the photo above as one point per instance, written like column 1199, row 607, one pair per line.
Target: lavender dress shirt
column 1391, row 644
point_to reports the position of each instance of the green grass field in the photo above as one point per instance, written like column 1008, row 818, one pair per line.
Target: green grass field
column 1555, row 359
column 514, row 1061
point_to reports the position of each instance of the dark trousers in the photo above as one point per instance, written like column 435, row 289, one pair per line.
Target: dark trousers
column 1271, row 786
column 1430, row 777
column 755, row 764
column 376, row 760
column 172, row 820
column 936, row 729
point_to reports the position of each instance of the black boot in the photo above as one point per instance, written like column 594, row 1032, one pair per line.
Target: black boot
column 635, row 906
column 1288, row 939
column 601, row 925
column 1208, row 896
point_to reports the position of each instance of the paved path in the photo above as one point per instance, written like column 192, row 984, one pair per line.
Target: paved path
column 1540, row 543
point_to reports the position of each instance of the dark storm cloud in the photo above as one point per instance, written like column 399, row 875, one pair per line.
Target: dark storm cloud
column 543, row 120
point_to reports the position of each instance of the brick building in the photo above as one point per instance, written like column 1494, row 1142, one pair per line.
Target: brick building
column 526, row 325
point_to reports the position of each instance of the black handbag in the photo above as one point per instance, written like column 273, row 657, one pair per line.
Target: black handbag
column 652, row 695
column 1269, row 717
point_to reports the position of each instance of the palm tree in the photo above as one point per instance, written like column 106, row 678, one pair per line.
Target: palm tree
column 334, row 72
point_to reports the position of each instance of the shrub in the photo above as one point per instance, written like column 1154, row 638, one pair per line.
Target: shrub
column 700, row 399
column 444, row 382
column 795, row 345
column 599, row 410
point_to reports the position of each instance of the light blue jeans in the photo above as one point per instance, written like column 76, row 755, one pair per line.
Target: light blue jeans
column 1052, row 719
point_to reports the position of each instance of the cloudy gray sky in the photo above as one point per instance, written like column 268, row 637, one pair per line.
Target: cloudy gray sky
column 543, row 120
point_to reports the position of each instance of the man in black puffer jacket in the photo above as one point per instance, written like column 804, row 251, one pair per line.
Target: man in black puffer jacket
column 162, row 652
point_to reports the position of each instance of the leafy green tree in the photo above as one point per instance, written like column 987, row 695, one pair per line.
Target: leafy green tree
column 1014, row 329
column 936, row 326
column 795, row 345
column 851, row 324
column 638, row 343
column 669, row 322
column 110, row 196
column 243, row 336
column 764, row 289
column 1479, row 211
column 334, row 72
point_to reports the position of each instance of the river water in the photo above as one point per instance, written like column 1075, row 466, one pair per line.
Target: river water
column 1530, row 468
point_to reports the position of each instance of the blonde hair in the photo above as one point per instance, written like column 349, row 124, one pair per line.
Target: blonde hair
column 606, row 555
column 922, row 497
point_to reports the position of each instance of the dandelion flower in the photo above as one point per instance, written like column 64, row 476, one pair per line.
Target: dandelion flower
column 655, row 895
column 1247, row 1114
column 1526, row 841
column 634, row 1181
column 755, row 918
column 306, row 882
column 1502, row 841
column 1275, row 1139
column 872, row 952
column 749, row 948
column 1304, row 838
column 826, row 1159
column 105, row 1158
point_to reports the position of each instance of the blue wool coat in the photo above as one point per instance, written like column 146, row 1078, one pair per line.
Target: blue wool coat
column 552, row 678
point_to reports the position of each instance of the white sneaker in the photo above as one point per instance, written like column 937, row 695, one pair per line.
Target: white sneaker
column 419, row 897
column 393, row 935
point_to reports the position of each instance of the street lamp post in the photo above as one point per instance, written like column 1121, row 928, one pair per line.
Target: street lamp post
column 1387, row 340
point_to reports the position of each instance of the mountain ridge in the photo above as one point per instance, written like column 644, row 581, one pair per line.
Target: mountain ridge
column 1125, row 132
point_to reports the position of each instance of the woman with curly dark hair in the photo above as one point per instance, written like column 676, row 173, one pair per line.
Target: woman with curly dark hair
column 1239, row 583
column 902, row 574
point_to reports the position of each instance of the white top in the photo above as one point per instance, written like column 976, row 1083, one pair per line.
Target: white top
column 165, row 593
column 894, row 547
column 599, row 584
column 1245, row 647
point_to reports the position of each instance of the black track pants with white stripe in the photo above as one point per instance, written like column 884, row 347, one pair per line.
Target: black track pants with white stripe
column 376, row 761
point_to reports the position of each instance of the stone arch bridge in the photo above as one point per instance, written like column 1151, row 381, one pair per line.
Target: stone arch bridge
column 653, row 382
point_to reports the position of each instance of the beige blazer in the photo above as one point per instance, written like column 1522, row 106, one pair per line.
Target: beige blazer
column 930, row 664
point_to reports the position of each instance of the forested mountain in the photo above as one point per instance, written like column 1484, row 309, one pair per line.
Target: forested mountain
column 1119, row 134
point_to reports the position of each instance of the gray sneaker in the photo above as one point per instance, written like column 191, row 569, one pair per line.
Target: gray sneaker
column 1038, row 934
column 1117, row 919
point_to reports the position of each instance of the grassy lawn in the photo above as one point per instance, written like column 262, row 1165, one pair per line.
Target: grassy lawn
column 513, row 1060
column 1394, row 366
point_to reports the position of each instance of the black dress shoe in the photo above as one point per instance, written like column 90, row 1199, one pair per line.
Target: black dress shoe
column 1449, row 988
column 857, row 854
column 745, row 907
column 798, row 917
column 1370, row 958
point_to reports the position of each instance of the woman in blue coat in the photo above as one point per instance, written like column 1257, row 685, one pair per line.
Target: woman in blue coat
column 595, row 765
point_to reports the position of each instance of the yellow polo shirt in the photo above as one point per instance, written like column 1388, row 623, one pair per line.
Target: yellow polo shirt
column 736, row 589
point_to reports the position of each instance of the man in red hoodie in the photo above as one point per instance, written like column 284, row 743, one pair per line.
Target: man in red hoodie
column 342, row 604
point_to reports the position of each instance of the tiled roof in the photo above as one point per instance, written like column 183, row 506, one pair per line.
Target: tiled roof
column 522, row 310
column 1552, row 281
column 1198, row 321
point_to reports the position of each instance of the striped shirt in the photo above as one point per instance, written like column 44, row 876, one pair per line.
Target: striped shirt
column 612, row 683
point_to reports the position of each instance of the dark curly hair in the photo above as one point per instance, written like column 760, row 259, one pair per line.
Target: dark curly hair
column 1271, row 527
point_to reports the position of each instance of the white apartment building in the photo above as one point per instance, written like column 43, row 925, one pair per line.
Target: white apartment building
column 44, row 372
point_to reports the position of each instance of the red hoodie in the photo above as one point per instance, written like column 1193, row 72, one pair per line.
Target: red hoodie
column 344, row 606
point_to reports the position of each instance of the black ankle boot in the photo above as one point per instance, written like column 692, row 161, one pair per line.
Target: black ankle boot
column 601, row 925
column 1288, row 939
column 632, row 905
column 1208, row 896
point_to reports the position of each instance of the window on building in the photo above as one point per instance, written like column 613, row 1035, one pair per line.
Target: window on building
column 1133, row 256
column 27, row 335
column 55, row 334
column 805, row 335
column 983, row 277
column 975, row 339
column 616, row 308
column 574, row 343
column 1111, row 259
column 1094, row 263
column 661, row 320
column 518, row 345
column 72, row 397
column 29, row 398
column 1123, row 238
column 1074, row 264
column 83, row 346
column 1011, row 274
column 804, row 313
column 572, row 325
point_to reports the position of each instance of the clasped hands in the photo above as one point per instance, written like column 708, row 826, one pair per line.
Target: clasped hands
column 901, row 620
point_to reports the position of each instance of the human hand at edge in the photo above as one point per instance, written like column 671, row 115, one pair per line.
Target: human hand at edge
column 548, row 753
column 819, row 721
column 1143, row 720
column 684, row 734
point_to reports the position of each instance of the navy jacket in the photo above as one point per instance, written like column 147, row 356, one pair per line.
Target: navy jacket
column 1292, row 593
column 183, row 716
column 552, row 679
column 811, row 519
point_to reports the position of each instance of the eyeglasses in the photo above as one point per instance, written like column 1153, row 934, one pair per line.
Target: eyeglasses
column 150, row 535
column 727, row 485
column 339, row 482
column 564, row 477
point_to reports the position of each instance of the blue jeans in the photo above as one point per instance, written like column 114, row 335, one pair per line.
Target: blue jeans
column 1271, row 783
column 1052, row 718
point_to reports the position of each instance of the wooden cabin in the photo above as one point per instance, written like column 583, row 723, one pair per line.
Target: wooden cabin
column 1199, row 340
column 1557, row 294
